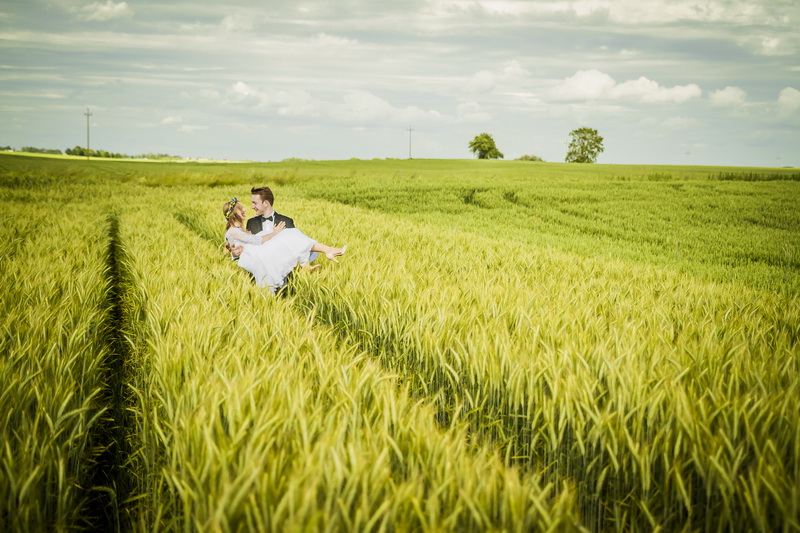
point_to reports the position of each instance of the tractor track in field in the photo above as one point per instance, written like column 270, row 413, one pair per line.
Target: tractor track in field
column 108, row 474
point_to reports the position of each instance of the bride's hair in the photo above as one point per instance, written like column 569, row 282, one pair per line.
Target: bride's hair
column 232, row 215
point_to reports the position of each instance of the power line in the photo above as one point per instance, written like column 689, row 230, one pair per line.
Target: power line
column 88, row 114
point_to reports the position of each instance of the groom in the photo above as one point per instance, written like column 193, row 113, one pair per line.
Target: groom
column 266, row 218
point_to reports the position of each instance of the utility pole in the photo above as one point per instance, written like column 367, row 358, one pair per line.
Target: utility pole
column 409, row 141
column 87, row 131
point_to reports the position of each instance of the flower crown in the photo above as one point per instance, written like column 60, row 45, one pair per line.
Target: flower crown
column 234, row 201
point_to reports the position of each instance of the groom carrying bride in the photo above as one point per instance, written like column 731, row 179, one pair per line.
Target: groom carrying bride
column 271, row 247
column 262, row 200
column 266, row 219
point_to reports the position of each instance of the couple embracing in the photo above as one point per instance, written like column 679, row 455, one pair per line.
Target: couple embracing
column 270, row 247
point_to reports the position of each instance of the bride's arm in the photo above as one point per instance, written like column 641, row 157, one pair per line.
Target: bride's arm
column 248, row 238
column 237, row 234
column 279, row 228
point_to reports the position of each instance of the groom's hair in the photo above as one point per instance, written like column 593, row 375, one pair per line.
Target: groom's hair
column 265, row 193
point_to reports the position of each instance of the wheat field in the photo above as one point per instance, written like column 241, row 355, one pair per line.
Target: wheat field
column 505, row 347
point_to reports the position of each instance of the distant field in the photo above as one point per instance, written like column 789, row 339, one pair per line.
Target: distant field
column 106, row 159
column 507, row 345
column 717, row 223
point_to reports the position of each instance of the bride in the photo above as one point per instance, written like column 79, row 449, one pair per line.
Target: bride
column 270, row 258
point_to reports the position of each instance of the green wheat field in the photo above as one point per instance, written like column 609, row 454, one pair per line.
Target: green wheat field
column 506, row 346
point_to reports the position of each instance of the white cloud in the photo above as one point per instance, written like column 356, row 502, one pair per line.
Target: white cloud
column 237, row 23
column 362, row 106
column 649, row 91
column 354, row 106
column 471, row 112
column 659, row 11
column 512, row 70
column 297, row 104
column 485, row 81
column 481, row 82
column 728, row 97
column 200, row 94
column 33, row 94
column 188, row 128
column 596, row 85
column 628, row 12
column 788, row 101
column 326, row 40
column 584, row 85
column 102, row 12
column 240, row 88
column 503, row 7
column 781, row 44
column 664, row 12
column 285, row 103
column 769, row 46
column 680, row 123
column 171, row 120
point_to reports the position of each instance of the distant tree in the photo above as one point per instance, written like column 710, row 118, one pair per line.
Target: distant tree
column 530, row 158
column 80, row 151
column 160, row 157
column 483, row 146
column 34, row 150
column 584, row 146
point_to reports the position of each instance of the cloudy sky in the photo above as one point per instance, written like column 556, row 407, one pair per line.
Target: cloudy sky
column 663, row 81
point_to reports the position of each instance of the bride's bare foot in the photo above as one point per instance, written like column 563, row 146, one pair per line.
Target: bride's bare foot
column 309, row 267
column 336, row 252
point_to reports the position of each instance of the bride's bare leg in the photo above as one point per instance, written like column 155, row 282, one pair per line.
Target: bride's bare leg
column 329, row 251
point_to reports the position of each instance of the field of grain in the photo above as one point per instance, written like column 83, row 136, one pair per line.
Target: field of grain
column 507, row 346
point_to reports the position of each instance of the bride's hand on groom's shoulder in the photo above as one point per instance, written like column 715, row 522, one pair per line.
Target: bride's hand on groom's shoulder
column 277, row 229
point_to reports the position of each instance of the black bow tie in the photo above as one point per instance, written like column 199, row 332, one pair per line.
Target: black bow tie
column 270, row 218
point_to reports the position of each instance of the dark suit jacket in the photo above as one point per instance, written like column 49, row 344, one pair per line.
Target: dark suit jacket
column 254, row 224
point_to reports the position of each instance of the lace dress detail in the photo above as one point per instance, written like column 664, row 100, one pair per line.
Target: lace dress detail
column 237, row 236
column 271, row 262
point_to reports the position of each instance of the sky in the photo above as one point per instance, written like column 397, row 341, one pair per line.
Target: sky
column 662, row 81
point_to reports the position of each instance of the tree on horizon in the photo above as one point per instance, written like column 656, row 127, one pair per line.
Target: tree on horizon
column 584, row 146
column 484, row 147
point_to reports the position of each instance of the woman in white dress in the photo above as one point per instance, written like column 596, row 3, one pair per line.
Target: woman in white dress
column 270, row 258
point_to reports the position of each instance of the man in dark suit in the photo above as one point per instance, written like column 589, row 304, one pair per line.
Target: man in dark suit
column 266, row 218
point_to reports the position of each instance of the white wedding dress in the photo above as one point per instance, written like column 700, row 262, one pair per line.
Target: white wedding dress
column 271, row 262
